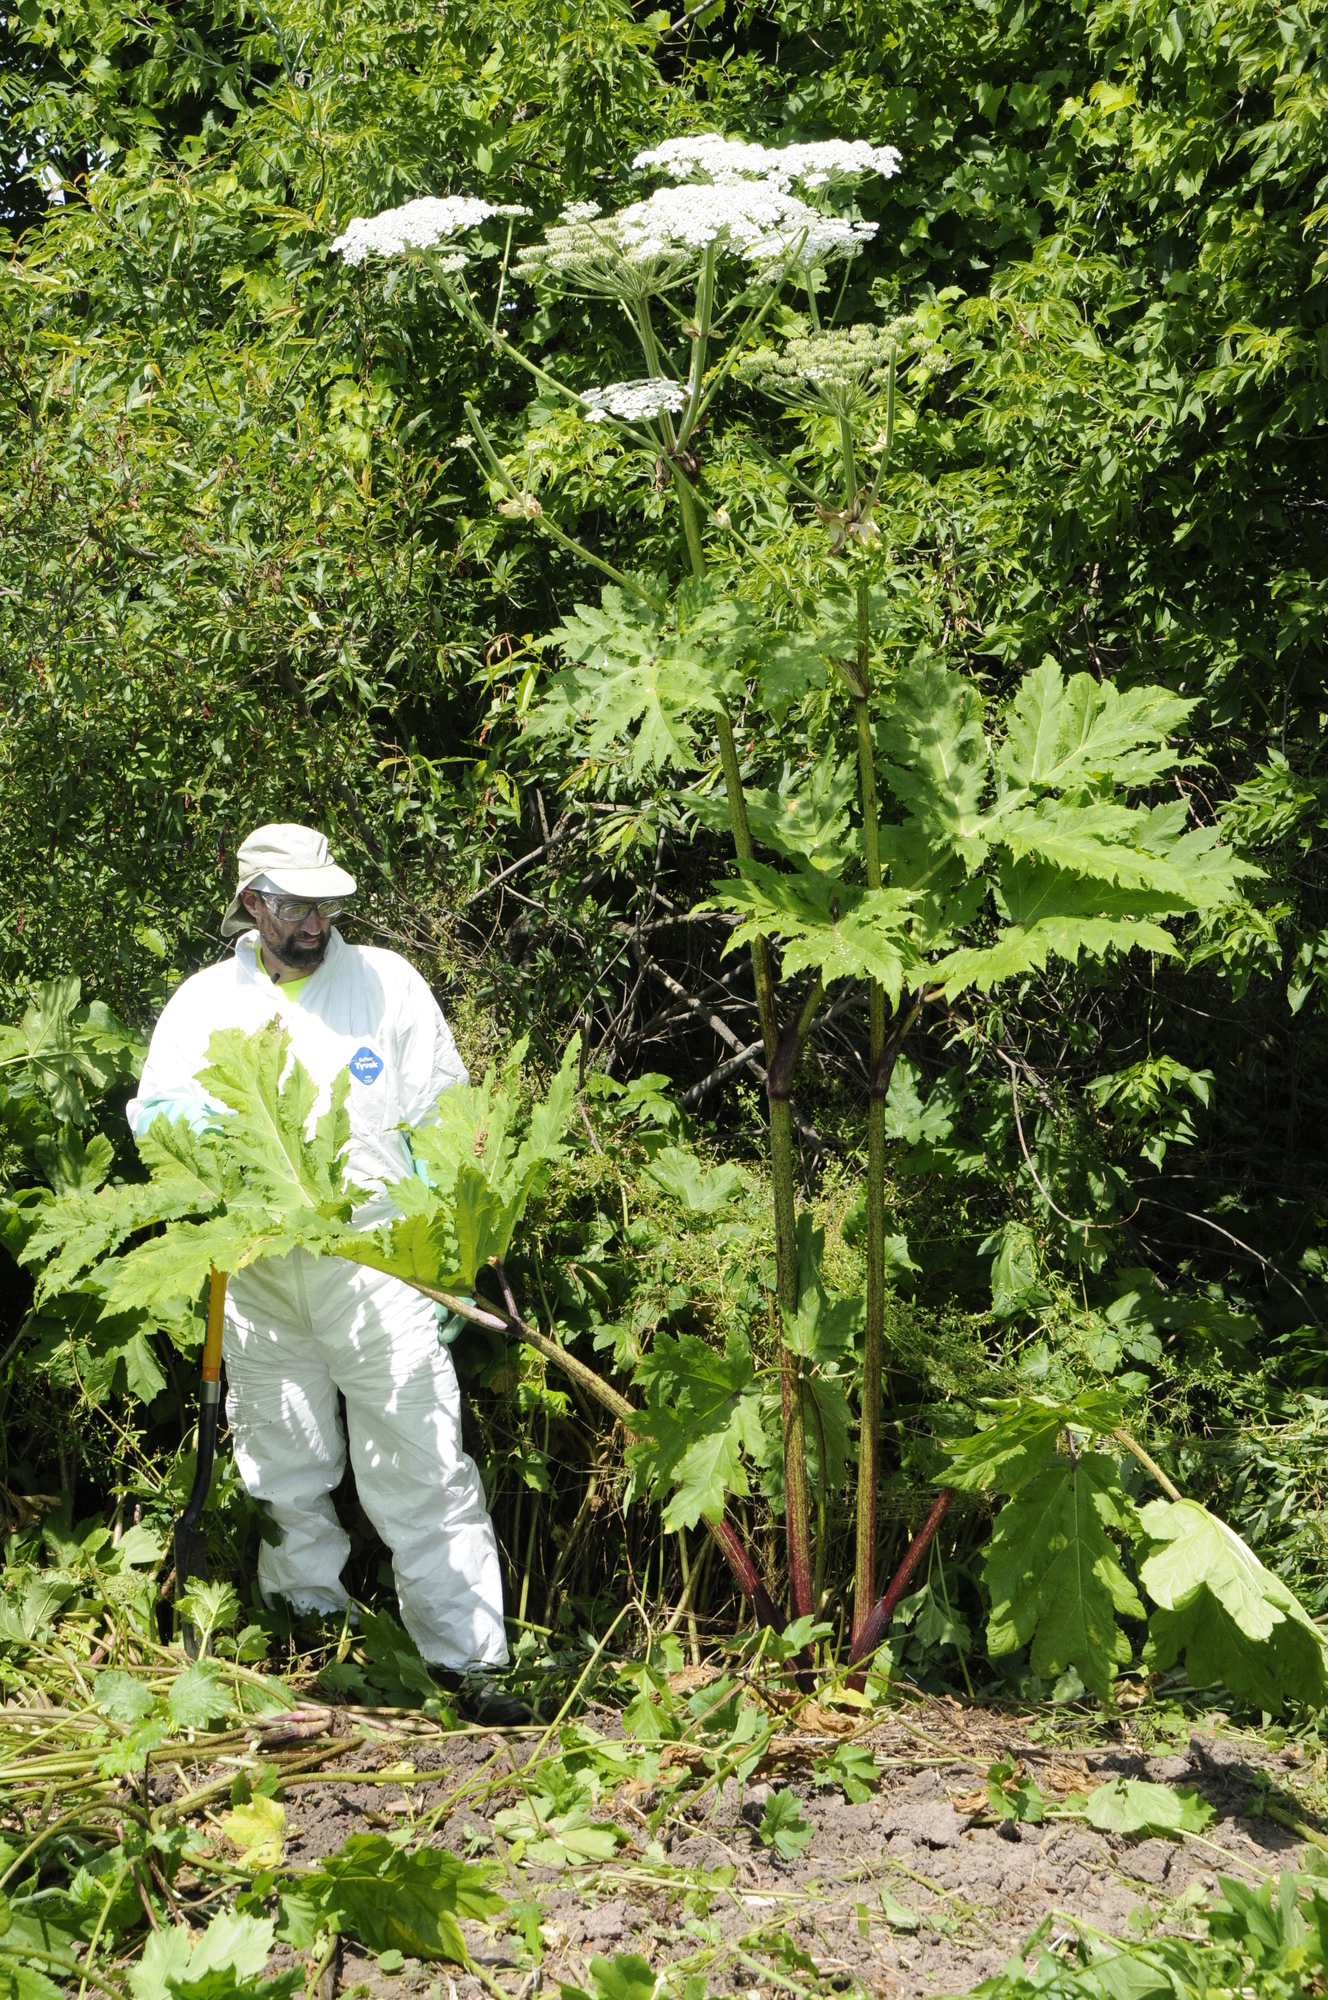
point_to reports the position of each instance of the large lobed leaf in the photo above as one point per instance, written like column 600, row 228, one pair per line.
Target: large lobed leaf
column 225, row 1963
column 78, row 1231
column 824, row 925
column 266, row 1184
column 1080, row 870
column 805, row 816
column 1055, row 1579
column 388, row 1899
column 1232, row 1619
column 640, row 676
column 1061, row 733
column 480, row 1175
column 259, row 1188
column 935, row 750
column 700, row 1416
column 270, row 1099
column 1020, row 1442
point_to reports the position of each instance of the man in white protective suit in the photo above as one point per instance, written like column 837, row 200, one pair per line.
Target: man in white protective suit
column 299, row 1328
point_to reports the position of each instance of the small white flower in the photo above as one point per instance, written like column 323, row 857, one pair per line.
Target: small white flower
column 417, row 225
column 633, row 402
column 709, row 156
column 580, row 211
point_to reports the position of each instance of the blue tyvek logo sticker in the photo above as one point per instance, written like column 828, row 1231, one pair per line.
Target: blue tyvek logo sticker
column 365, row 1066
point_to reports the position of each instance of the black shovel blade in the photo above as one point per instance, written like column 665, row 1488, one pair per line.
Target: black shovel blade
column 190, row 1567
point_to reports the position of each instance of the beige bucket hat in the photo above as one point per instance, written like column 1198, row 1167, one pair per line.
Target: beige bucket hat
column 293, row 860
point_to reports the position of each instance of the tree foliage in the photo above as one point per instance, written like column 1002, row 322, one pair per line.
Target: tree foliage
column 257, row 563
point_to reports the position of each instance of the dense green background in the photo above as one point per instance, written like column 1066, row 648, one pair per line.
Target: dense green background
column 245, row 574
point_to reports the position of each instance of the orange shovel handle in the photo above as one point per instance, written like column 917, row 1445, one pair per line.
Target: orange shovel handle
column 215, row 1321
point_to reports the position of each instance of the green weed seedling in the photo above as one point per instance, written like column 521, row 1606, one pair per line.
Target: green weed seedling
column 1013, row 1795
column 853, row 1768
column 783, row 1828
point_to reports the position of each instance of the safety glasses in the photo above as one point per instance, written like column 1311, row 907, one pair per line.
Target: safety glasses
column 293, row 910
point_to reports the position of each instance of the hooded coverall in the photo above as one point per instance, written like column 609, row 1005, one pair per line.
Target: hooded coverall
column 299, row 1328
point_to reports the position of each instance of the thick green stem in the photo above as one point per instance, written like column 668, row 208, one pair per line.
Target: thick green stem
column 822, row 1504
column 780, row 1059
column 783, row 1175
column 783, row 1166
column 873, row 1356
column 705, row 306
column 691, row 521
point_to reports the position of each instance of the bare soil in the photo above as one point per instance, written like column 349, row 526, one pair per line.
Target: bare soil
column 975, row 1892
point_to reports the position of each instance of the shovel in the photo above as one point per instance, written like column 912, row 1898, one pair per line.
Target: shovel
column 190, row 1539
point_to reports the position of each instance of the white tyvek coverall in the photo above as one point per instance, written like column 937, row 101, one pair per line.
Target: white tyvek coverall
column 300, row 1328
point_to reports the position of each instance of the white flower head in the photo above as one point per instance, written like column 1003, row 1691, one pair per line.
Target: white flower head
column 585, row 254
column 633, row 402
column 710, row 157
column 844, row 371
column 834, row 162
column 757, row 221
column 417, row 225
column 840, row 371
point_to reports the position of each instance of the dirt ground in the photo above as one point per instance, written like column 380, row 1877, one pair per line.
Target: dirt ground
column 960, row 1897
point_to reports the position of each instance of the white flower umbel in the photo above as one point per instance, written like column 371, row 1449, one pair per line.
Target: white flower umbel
column 586, row 255
column 417, row 225
column 843, row 371
column 829, row 162
column 709, row 157
column 756, row 221
column 634, row 402
column 840, row 371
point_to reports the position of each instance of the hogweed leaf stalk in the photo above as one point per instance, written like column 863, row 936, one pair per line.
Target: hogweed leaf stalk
column 551, row 528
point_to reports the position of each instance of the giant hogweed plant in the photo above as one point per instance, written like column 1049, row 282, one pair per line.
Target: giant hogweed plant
column 957, row 847
column 984, row 842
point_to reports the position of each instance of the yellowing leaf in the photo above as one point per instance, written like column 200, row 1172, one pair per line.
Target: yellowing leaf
column 257, row 1833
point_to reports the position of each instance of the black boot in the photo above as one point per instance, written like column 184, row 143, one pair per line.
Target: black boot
column 477, row 1698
